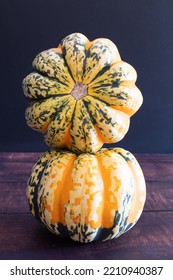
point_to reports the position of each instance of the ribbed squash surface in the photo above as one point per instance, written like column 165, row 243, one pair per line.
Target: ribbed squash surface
column 87, row 197
column 82, row 94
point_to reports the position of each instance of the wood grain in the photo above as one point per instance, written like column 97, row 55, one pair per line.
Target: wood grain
column 32, row 157
column 22, row 237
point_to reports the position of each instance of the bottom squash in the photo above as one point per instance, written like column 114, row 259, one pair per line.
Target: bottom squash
column 87, row 197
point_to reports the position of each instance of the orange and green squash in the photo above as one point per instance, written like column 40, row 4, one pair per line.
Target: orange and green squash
column 81, row 94
column 87, row 197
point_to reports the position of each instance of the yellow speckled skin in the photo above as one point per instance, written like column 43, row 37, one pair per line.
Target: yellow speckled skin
column 87, row 197
column 100, row 115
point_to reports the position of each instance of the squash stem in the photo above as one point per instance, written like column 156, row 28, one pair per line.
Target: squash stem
column 79, row 91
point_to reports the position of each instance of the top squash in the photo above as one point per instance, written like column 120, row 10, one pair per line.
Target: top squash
column 82, row 94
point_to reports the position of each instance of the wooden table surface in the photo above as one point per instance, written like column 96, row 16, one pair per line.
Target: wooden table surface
column 22, row 237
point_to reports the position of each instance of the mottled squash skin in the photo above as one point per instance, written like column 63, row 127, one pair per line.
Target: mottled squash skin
column 82, row 94
column 87, row 197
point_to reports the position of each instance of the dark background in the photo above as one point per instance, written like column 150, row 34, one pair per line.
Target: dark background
column 143, row 33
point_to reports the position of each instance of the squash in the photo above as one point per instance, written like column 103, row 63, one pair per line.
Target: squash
column 87, row 197
column 81, row 94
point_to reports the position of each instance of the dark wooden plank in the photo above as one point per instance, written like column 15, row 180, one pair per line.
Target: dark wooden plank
column 15, row 171
column 21, row 237
column 154, row 158
column 31, row 156
column 159, row 196
column 13, row 199
column 17, row 157
column 158, row 171
column 20, row 168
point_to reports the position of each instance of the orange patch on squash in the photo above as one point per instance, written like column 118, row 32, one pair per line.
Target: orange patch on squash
column 76, row 219
column 130, row 112
column 61, row 192
column 88, row 45
column 58, row 49
column 44, row 127
column 109, row 205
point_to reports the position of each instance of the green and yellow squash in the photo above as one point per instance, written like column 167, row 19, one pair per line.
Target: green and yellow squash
column 81, row 94
column 87, row 197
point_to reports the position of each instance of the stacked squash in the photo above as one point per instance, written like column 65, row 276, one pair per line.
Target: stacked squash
column 82, row 95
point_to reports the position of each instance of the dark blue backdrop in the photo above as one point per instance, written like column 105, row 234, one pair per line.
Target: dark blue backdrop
column 143, row 32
